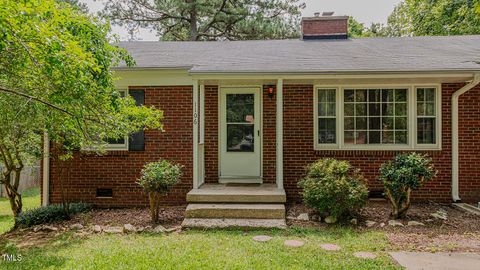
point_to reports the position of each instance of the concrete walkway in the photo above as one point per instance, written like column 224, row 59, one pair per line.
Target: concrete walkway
column 437, row 261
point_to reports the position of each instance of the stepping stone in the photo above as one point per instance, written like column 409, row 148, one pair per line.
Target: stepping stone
column 262, row 238
column 330, row 247
column 293, row 243
column 365, row 255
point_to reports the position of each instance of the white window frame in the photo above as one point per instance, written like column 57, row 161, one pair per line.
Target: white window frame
column 119, row 146
column 411, row 115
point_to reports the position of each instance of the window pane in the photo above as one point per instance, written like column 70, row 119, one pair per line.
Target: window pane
column 331, row 95
column 331, row 109
column 400, row 137
column 349, row 109
column 430, row 94
column 240, row 138
column 374, row 137
column 420, row 108
column 374, row 123
column 388, row 109
column 361, row 96
column 322, row 109
column 426, row 131
column 349, row 137
column 400, row 109
column 240, row 108
column 361, row 123
column 430, row 108
column 349, row 123
column 361, row 109
column 387, row 123
column 388, row 137
column 349, row 96
column 327, row 132
column 401, row 95
column 374, row 109
column 374, row 95
column 400, row 123
column 388, row 95
column 322, row 95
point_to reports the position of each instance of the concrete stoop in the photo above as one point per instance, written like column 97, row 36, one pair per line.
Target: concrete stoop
column 223, row 206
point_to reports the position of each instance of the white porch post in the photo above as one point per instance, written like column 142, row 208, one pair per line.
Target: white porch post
column 195, row 135
column 279, row 134
column 201, row 144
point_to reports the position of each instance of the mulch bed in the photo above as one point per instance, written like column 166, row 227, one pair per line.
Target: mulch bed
column 460, row 232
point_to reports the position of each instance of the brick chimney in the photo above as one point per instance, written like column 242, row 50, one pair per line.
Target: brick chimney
column 325, row 26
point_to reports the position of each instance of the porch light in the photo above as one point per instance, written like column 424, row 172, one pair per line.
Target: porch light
column 270, row 92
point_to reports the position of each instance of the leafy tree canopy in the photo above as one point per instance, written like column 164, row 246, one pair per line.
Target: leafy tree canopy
column 56, row 77
column 430, row 18
column 209, row 19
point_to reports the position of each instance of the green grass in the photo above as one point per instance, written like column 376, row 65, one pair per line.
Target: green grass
column 214, row 249
column 30, row 199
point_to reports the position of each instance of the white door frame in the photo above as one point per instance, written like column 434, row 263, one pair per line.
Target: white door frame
column 244, row 179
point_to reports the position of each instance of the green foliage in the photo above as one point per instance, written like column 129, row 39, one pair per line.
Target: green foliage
column 407, row 172
column 159, row 176
column 355, row 29
column 48, row 214
column 434, row 18
column 209, row 19
column 334, row 187
column 56, row 77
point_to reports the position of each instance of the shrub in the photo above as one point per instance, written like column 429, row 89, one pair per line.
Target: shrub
column 334, row 187
column 49, row 213
column 407, row 172
column 157, row 179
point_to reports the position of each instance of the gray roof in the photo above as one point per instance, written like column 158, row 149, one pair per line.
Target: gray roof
column 407, row 54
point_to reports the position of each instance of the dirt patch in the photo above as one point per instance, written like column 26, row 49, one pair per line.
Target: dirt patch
column 169, row 217
column 459, row 232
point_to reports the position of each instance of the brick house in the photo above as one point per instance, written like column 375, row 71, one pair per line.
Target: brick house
column 250, row 115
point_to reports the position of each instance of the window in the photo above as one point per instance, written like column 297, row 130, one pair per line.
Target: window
column 377, row 118
column 426, row 116
column 327, row 126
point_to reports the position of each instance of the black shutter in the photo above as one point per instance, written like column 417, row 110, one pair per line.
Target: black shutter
column 136, row 141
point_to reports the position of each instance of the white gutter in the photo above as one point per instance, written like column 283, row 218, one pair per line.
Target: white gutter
column 46, row 170
column 455, row 140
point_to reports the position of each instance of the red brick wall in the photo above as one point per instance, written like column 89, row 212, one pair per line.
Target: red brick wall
column 211, row 134
column 299, row 152
column 469, row 133
column 321, row 26
column 120, row 169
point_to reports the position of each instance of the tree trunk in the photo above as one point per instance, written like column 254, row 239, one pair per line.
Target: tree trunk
column 193, row 20
column 154, row 199
column 14, row 197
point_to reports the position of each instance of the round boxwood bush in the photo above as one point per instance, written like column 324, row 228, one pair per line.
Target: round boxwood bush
column 334, row 187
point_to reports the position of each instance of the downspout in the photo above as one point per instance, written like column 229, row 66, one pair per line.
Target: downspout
column 455, row 139
column 46, row 170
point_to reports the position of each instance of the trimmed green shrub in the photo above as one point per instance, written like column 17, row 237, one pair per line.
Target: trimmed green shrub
column 402, row 175
column 334, row 187
column 157, row 179
column 49, row 213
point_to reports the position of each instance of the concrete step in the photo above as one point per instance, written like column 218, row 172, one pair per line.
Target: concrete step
column 236, row 211
column 208, row 223
column 220, row 193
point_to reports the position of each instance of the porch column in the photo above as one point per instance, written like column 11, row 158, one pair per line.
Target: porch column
column 195, row 134
column 201, row 144
column 279, row 134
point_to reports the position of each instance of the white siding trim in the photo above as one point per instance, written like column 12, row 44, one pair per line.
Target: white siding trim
column 279, row 134
column 195, row 135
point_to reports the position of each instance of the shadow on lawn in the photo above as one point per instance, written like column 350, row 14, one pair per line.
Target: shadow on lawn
column 37, row 257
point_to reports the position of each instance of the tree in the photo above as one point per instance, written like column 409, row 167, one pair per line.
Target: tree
column 434, row 18
column 355, row 28
column 401, row 176
column 56, row 79
column 157, row 179
column 208, row 19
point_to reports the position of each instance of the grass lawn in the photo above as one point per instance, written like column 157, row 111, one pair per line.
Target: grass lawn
column 30, row 198
column 195, row 249
column 214, row 249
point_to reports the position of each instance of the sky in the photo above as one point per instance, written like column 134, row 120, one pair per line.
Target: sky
column 364, row 11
